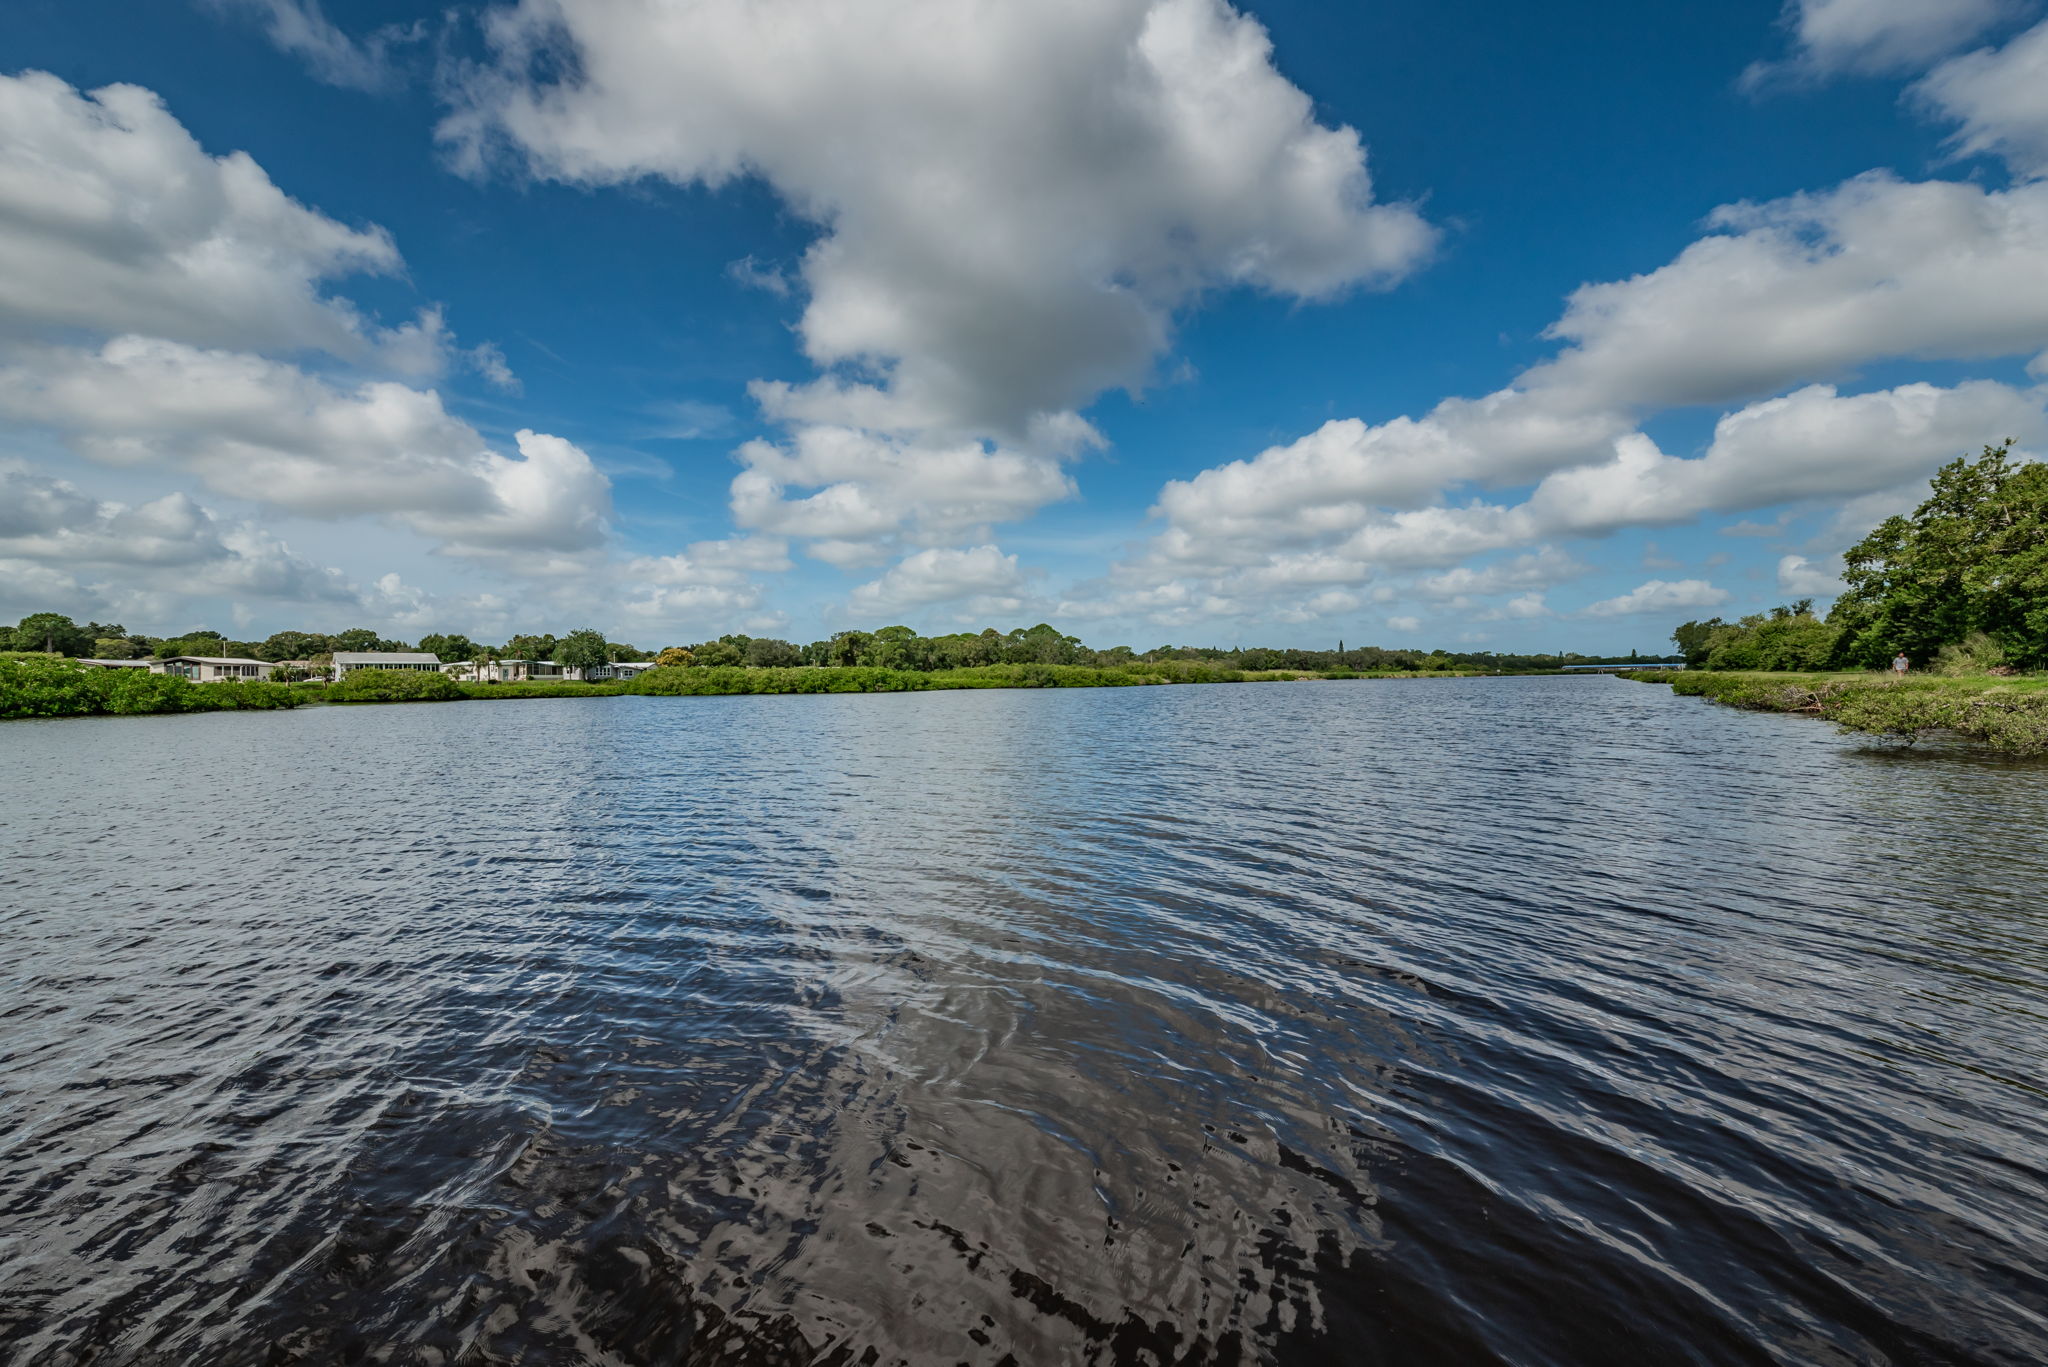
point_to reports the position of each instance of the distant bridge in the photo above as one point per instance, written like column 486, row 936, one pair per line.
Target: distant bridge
column 1616, row 669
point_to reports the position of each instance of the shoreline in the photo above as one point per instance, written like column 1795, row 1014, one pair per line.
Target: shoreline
column 2005, row 713
column 58, row 692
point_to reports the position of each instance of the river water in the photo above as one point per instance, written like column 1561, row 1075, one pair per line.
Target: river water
column 1545, row 1021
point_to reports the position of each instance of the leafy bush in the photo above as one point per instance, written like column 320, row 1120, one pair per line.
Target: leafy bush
column 49, row 687
column 539, row 689
column 712, row 680
column 393, row 685
column 1976, row 653
column 1788, row 638
column 708, row 680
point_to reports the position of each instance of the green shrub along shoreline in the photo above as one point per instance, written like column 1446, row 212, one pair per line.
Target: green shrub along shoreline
column 48, row 686
column 717, row 681
column 2004, row 713
column 52, row 687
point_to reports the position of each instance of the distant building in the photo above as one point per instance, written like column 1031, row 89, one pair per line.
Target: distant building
column 208, row 668
column 119, row 664
column 529, row 671
column 619, row 669
column 405, row 661
column 1615, row 669
column 541, row 671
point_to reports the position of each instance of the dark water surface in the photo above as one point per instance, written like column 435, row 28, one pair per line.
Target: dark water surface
column 1521, row 1021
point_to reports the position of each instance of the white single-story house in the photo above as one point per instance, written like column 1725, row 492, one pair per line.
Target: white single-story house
column 209, row 668
column 536, row 671
column 411, row 661
column 619, row 669
column 119, row 664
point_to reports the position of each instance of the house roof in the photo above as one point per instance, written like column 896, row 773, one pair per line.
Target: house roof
column 217, row 660
column 385, row 657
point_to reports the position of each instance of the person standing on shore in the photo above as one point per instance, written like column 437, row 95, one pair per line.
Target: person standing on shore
column 1900, row 664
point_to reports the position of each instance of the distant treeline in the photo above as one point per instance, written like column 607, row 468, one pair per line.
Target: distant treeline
column 1960, row 586
column 892, row 647
column 44, row 685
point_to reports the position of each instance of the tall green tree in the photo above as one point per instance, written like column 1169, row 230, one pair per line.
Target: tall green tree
column 525, row 647
column 717, row 653
column 198, row 642
column 53, row 632
column 448, row 649
column 583, row 649
column 1789, row 637
column 1972, row 558
column 766, row 652
column 358, row 638
column 293, row 645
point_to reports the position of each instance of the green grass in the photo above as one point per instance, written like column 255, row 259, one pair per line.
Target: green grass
column 2006, row 713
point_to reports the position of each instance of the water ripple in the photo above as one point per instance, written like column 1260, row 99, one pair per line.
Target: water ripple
column 1487, row 1021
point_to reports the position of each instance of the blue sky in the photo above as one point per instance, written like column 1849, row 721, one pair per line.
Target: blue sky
column 1419, row 323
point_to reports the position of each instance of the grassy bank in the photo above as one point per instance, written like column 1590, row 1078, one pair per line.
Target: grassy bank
column 53, row 687
column 2007, row 713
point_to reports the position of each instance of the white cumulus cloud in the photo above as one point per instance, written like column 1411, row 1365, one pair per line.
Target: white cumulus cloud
column 266, row 431
column 1799, row 577
column 1999, row 96
column 988, row 580
column 113, row 219
column 1013, row 201
column 1659, row 596
column 302, row 28
column 1877, row 36
column 48, row 522
column 1014, row 196
column 1807, row 287
column 1777, row 294
column 856, row 493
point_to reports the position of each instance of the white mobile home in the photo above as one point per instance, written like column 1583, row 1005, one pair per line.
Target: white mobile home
column 212, row 668
column 405, row 661
column 531, row 671
column 619, row 669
